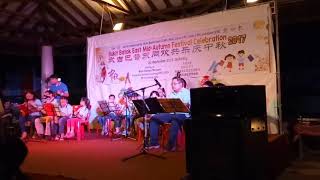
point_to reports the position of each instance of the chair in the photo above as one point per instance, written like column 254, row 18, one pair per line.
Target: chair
column 96, row 122
column 80, row 131
column 111, row 128
column 80, row 126
column 164, row 136
column 181, row 140
column 6, row 125
column 305, row 129
column 139, row 130
column 96, row 125
column 49, row 117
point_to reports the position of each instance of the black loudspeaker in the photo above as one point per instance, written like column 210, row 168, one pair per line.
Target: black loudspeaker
column 226, row 137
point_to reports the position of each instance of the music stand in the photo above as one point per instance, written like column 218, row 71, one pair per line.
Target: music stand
column 173, row 106
column 57, row 111
column 148, row 106
column 144, row 109
column 141, row 106
column 104, row 106
column 154, row 106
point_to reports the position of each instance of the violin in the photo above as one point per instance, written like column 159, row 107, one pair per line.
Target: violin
column 23, row 109
column 76, row 109
column 48, row 109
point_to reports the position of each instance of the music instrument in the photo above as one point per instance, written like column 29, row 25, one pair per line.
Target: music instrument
column 48, row 109
column 122, row 92
column 134, row 111
column 118, row 110
column 27, row 107
column 23, row 109
column 76, row 110
column 99, row 111
column 131, row 109
column 32, row 107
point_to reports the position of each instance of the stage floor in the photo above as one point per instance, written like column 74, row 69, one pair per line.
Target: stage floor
column 96, row 159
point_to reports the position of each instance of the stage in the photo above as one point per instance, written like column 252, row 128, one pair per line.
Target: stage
column 100, row 158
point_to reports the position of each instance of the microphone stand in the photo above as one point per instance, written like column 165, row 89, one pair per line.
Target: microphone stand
column 144, row 150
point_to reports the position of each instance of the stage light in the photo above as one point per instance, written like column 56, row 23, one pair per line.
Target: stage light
column 218, row 115
column 118, row 26
column 59, row 79
column 258, row 125
column 251, row 1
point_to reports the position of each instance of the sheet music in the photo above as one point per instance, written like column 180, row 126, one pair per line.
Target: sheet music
column 173, row 105
column 154, row 106
column 141, row 107
column 104, row 106
column 57, row 111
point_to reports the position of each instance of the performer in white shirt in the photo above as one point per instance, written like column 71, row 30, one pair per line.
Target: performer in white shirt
column 176, row 120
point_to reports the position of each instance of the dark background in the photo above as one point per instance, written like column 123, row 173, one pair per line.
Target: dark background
column 300, row 69
column 18, row 73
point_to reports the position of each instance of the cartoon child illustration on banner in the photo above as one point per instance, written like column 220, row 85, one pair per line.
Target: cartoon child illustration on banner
column 241, row 59
column 229, row 60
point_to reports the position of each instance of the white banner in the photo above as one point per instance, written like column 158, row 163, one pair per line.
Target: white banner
column 233, row 47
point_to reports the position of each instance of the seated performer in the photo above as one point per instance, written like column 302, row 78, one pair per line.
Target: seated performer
column 48, row 97
column 139, row 122
column 114, row 114
column 10, row 108
column 162, row 92
column 29, row 111
column 130, row 112
column 5, row 120
column 154, row 94
column 81, row 115
column 48, row 117
column 66, row 113
column 8, row 113
column 175, row 119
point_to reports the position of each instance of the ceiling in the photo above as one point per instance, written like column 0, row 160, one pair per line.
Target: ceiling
column 25, row 25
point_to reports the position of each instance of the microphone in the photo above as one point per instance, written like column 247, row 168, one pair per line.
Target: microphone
column 157, row 82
